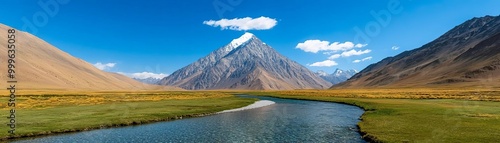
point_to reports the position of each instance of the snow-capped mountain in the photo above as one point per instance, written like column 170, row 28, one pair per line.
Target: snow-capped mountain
column 245, row 63
column 338, row 76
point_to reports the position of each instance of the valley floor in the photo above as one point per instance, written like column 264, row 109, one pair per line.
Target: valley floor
column 392, row 115
column 417, row 115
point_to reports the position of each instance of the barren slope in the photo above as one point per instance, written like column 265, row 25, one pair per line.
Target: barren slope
column 41, row 66
column 466, row 56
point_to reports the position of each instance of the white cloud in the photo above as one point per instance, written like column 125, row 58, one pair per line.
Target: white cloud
column 326, row 63
column 361, row 45
column 244, row 24
column 145, row 75
column 365, row 59
column 336, row 56
column 106, row 66
column 314, row 46
column 347, row 49
column 395, row 47
column 355, row 53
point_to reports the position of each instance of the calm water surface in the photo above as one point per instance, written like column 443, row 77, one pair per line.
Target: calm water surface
column 286, row 121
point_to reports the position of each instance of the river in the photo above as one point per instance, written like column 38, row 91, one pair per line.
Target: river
column 285, row 121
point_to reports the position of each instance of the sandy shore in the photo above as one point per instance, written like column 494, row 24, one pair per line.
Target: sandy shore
column 257, row 104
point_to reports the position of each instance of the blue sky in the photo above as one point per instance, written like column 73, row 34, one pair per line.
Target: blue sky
column 163, row 36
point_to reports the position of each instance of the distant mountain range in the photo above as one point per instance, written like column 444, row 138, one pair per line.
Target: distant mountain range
column 41, row 66
column 338, row 76
column 466, row 56
column 245, row 63
column 149, row 80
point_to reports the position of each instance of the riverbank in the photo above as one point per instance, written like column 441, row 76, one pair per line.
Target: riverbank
column 45, row 118
column 415, row 120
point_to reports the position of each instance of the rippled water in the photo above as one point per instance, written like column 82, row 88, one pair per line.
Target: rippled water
column 286, row 121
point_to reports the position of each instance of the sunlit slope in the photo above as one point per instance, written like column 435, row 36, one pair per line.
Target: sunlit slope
column 39, row 65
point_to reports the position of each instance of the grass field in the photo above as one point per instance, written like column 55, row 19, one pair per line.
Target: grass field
column 392, row 115
column 56, row 113
column 417, row 115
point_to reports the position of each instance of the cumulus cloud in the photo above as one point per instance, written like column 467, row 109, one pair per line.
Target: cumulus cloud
column 395, row 47
column 145, row 75
column 244, row 24
column 335, row 50
column 105, row 66
column 314, row 46
column 365, row 59
column 326, row 63
column 355, row 53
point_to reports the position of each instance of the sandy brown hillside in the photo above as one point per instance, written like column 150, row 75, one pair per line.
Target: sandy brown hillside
column 41, row 66
column 466, row 56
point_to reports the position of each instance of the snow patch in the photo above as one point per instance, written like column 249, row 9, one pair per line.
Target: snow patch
column 239, row 41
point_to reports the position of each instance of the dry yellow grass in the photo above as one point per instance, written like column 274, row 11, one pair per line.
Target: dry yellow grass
column 49, row 99
column 40, row 99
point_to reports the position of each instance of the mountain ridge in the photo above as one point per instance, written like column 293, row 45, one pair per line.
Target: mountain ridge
column 149, row 80
column 434, row 63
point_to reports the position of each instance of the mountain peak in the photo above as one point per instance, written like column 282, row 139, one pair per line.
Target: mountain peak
column 239, row 41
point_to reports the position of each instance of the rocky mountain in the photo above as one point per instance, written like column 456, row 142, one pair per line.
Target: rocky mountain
column 466, row 56
column 338, row 76
column 41, row 66
column 149, row 80
column 245, row 63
